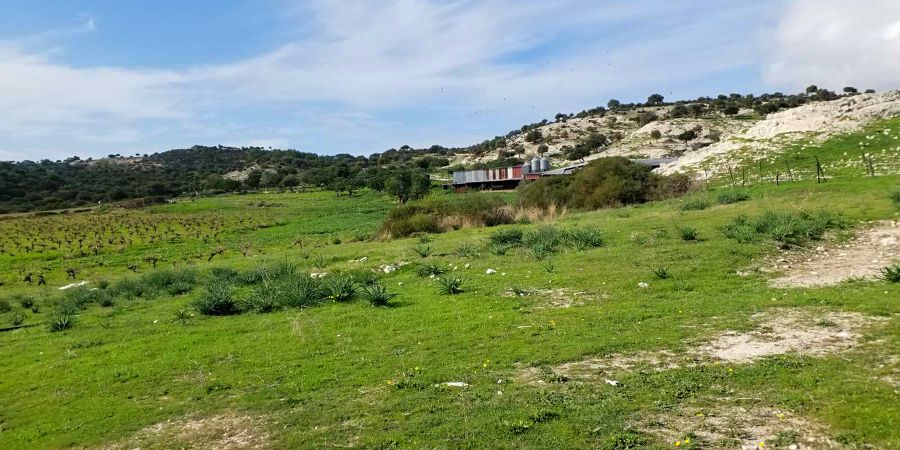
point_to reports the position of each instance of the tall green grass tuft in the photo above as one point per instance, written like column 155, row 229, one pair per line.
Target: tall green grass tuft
column 507, row 236
column 585, row 238
column 789, row 228
column 376, row 294
column 217, row 299
column 891, row 273
column 697, row 203
column 450, row 285
column 729, row 196
column 340, row 288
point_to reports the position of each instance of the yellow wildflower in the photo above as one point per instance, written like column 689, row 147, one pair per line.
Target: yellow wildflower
column 678, row 443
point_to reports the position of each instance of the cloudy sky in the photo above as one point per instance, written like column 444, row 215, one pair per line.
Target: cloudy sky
column 94, row 77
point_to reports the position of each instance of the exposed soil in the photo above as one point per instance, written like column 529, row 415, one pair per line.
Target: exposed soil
column 862, row 258
column 737, row 424
column 777, row 331
column 226, row 431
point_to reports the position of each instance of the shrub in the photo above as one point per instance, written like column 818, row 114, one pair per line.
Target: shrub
column 363, row 277
column 507, row 236
column 224, row 274
column 376, row 294
column 60, row 321
column 427, row 270
column 422, row 250
column 217, row 299
column 661, row 272
column 895, row 197
column 26, row 301
column 450, row 285
column 15, row 319
column 688, row 233
column 498, row 249
column 440, row 213
column 585, row 238
column 129, row 288
column 294, row 289
column 789, row 228
column 173, row 281
column 467, row 250
column 340, row 288
column 605, row 182
column 730, row 196
column 696, row 203
column 891, row 273
column 5, row 306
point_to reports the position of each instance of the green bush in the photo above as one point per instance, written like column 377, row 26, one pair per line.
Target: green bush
column 688, row 233
column 696, row 203
column 789, row 228
column 467, row 250
column 585, row 238
column 506, row 236
column 440, row 213
column 217, row 299
column 895, row 197
column 450, row 285
column 427, row 270
column 340, row 288
column 891, row 273
column 5, row 306
column 129, row 288
column 605, row 182
column 376, row 294
column 730, row 196
column 170, row 281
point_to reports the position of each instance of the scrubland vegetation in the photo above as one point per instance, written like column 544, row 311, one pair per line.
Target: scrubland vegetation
column 306, row 320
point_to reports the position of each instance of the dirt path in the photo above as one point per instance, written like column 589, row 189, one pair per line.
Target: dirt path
column 862, row 258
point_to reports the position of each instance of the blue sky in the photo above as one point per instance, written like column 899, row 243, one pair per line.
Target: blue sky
column 90, row 78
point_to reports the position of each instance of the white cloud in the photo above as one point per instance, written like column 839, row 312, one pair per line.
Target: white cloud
column 836, row 43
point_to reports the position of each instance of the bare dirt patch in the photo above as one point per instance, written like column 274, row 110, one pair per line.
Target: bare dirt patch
column 777, row 331
column 862, row 258
column 230, row 430
column 557, row 298
column 789, row 331
column 737, row 425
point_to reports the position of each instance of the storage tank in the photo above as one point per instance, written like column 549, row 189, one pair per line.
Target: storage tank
column 535, row 165
column 526, row 168
column 545, row 164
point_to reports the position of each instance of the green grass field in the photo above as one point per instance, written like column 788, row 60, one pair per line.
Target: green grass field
column 345, row 374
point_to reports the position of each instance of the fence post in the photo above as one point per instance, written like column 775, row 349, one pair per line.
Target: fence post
column 819, row 173
column 743, row 176
column 730, row 175
column 790, row 175
column 777, row 177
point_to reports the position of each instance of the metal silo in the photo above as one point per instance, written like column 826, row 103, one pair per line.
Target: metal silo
column 535, row 165
column 545, row 164
column 526, row 168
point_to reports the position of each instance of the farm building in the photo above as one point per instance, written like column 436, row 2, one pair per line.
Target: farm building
column 511, row 177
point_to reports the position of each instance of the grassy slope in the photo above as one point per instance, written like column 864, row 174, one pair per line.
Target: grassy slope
column 322, row 375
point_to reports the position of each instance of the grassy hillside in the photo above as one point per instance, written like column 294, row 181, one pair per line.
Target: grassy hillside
column 665, row 281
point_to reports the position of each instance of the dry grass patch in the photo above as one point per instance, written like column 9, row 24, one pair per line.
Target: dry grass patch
column 732, row 424
column 230, row 431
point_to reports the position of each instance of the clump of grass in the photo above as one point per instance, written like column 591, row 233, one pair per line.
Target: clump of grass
column 423, row 250
column 499, row 249
column 25, row 301
column 340, row 288
column 544, row 241
column 661, row 272
column 688, row 233
column 450, row 285
column 791, row 228
column 285, row 286
column 63, row 316
column 895, row 196
column 376, row 294
column 585, row 238
column 467, row 250
column 183, row 316
column 730, row 196
column 891, row 273
column 363, row 277
column 507, row 237
column 176, row 281
column 427, row 270
column 5, row 306
column 15, row 319
column 217, row 299
column 696, row 203
column 520, row 291
column 129, row 288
